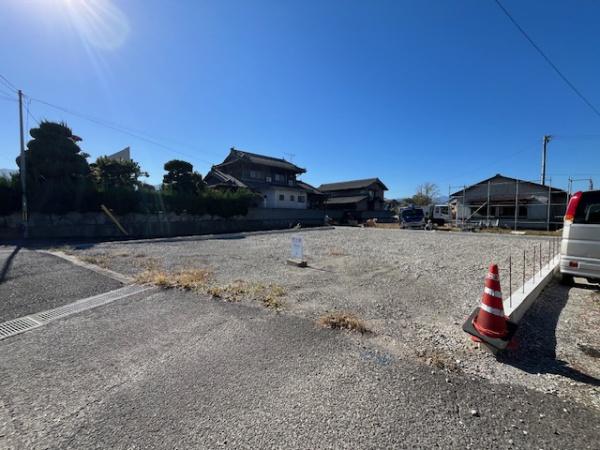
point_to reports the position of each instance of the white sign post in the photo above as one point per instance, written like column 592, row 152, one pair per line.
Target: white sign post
column 297, row 258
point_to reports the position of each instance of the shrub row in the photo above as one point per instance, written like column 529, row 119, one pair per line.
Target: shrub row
column 83, row 198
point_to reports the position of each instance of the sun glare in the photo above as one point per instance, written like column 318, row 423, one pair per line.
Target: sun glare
column 100, row 23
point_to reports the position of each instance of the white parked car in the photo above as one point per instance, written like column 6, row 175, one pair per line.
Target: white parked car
column 580, row 247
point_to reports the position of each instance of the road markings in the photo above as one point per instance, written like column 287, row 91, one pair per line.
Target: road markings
column 32, row 321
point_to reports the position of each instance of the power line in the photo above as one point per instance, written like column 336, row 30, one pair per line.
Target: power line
column 7, row 83
column 119, row 128
column 6, row 92
column 577, row 136
column 548, row 60
column 29, row 113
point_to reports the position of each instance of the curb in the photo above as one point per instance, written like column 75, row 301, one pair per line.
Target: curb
column 74, row 260
column 517, row 305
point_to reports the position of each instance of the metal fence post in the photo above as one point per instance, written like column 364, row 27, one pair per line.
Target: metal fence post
column 533, row 267
column 462, row 214
column 516, row 203
column 510, row 280
column 488, row 203
column 523, row 271
column 549, row 205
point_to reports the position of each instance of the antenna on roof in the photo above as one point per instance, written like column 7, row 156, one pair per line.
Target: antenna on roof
column 291, row 156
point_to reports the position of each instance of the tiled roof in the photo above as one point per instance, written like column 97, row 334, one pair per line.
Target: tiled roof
column 308, row 188
column 353, row 184
column 262, row 160
column 345, row 200
column 508, row 179
column 225, row 178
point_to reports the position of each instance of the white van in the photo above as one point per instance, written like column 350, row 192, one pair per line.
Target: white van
column 580, row 247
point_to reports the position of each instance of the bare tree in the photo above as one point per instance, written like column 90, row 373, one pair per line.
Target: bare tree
column 426, row 193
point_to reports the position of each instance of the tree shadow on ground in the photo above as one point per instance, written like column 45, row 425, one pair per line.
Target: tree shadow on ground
column 8, row 263
column 536, row 338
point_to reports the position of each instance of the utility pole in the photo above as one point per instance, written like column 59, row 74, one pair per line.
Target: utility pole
column 22, row 170
column 591, row 184
column 546, row 139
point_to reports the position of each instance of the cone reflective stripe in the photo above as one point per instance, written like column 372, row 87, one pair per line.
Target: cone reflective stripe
column 490, row 321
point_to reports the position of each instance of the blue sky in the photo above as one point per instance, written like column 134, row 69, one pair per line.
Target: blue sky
column 410, row 91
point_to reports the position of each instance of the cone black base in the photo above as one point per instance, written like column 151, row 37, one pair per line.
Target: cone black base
column 497, row 343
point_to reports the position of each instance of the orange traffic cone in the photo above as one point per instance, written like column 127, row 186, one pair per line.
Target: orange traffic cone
column 490, row 321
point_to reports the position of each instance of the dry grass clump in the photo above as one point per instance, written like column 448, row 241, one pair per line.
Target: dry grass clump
column 186, row 279
column 439, row 360
column 268, row 294
column 344, row 321
column 147, row 263
column 97, row 260
column 202, row 280
column 66, row 249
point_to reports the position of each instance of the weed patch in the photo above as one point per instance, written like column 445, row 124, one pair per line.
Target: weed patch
column 202, row 280
column 344, row 321
column 97, row 260
column 439, row 360
column 267, row 294
column 188, row 279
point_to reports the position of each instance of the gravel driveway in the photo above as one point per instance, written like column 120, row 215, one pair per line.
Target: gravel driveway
column 412, row 288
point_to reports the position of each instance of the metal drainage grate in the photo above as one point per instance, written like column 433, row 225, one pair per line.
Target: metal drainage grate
column 88, row 303
column 17, row 326
column 32, row 321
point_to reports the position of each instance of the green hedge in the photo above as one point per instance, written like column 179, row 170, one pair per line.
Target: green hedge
column 10, row 195
column 83, row 198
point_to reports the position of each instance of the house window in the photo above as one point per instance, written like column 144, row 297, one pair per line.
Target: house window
column 279, row 178
column 301, row 199
column 255, row 174
column 292, row 198
column 281, row 197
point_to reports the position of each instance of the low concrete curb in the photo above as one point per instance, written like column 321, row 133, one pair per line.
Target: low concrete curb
column 74, row 260
column 517, row 305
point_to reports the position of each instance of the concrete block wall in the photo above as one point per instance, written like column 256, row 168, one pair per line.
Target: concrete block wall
column 98, row 225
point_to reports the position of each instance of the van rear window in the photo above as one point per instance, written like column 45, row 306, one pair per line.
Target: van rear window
column 588, row 210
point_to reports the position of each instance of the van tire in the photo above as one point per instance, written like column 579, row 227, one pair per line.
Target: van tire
column 566, row 279
column 563, row 278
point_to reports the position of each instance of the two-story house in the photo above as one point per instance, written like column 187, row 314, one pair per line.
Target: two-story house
column 273, row 178
column 355, row 195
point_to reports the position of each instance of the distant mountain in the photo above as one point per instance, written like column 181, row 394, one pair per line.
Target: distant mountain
column 6, row 173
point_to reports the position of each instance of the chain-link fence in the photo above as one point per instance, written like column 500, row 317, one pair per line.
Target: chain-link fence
column 515, row 204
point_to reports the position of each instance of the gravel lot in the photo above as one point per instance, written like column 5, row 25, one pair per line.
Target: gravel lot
column 413, row 289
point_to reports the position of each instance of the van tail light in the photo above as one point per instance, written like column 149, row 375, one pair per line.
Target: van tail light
column 574, row 264
column 572, row 208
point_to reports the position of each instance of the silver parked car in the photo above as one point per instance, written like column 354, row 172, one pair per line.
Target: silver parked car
column 580, row 248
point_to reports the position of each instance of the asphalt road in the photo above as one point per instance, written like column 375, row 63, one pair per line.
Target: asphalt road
column 31, row 282
column 175, row 370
